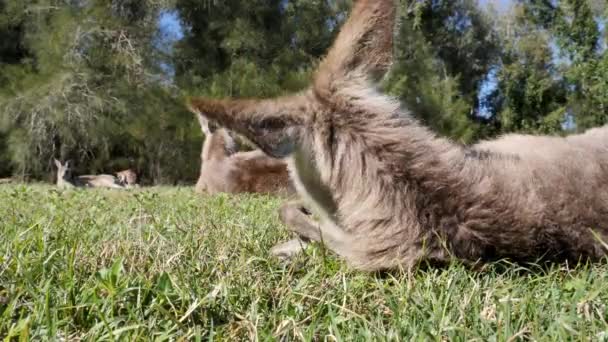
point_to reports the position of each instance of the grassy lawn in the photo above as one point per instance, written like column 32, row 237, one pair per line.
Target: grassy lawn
column 163, row 263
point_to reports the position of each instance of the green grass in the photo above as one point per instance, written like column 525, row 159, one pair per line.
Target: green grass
column 165, row 264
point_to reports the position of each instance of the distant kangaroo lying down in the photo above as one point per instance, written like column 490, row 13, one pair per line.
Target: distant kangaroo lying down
column 225, row 170
column 127, row 178
column 390, row 194
column 65, row 179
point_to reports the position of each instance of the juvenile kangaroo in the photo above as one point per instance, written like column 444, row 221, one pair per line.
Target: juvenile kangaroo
column 390, row 194
column 65, row 179
column 224, row 170
column 127, row 178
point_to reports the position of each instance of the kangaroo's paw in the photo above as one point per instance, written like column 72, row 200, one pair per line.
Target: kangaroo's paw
column 289, row 249
column 299, row 220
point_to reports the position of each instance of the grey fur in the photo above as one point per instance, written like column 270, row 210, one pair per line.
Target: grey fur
column 390, row 194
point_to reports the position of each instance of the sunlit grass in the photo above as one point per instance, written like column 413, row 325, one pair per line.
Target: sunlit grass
column 165, row 264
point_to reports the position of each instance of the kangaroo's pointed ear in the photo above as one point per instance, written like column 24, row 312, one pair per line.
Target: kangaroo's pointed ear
column 362, row 51
column 57, row 163
column 275, row 126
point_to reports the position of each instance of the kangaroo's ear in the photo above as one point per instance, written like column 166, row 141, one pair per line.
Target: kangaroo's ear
column 57, row 163
column 208, row 127
column 275, row 126
column 363, row 50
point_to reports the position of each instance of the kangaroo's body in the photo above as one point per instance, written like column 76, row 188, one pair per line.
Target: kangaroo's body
column 390, row 194
column 65, row 179
column 227, row 171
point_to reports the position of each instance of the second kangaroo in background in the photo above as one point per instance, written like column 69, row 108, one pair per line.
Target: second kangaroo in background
column 127, row 178
column 65, row 179
column 225, row 170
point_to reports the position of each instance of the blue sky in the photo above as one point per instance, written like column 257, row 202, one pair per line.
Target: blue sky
column 169, row 26
column 500, row 5
column 171, row 29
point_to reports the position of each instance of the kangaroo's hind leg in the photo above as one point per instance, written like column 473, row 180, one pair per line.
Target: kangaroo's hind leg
column 289, row 249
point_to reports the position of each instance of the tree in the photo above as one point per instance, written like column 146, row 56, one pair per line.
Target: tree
column 95, row 81
column 252, row 48
column 444, row 50
column 532, row 99
column 553, row 69
column 89, row 85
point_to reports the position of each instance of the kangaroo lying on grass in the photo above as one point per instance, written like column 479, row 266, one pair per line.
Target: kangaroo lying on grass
column 127, row 178
column 225, row 170
column 65, row 179
column 391, row 194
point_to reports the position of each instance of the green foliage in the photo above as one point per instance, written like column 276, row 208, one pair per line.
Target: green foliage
column 98, row 83
column 167, row 264
column 590, row 100
column 553, row 67
column 89, row 92
column 530, row 91
column 444, row 49
column 252, row 48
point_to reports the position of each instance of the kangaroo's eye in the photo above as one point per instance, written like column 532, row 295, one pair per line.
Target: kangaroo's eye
column 272, row 124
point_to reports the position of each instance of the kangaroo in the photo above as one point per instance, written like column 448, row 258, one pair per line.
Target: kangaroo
column 65, row 179
column 127, row 178
column 390, row 194
column 225, row 170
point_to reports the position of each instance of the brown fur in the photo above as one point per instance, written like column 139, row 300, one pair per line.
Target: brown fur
column 389, row 193
column 65, row 179
column 224, row 170
column 127, row 178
